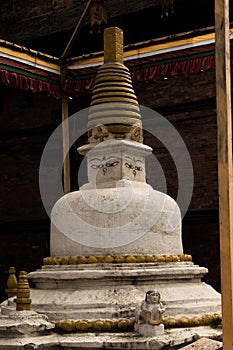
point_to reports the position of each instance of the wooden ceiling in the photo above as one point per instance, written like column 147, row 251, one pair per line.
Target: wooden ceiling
column 25, row 20
column 47, row 25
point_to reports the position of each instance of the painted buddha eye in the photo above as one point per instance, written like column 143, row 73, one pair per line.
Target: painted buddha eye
column 139, row 168
column 97, row 166
column 94, row 166
column 130, row 166
column 112, row 164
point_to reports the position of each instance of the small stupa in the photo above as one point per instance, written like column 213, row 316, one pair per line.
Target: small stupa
column 117, row 265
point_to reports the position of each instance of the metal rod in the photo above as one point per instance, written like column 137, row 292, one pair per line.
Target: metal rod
column 77, row 30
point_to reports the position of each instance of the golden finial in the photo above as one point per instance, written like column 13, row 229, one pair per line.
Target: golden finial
column 11, row 283
column 23, row 301
column 113, row 45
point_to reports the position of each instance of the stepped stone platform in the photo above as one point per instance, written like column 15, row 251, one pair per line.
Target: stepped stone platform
column 114, row 290
column 171, row 340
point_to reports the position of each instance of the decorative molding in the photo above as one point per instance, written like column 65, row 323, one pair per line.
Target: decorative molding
column 127, row 324
column 194, row 321
column 123, row 324
column 117, row 259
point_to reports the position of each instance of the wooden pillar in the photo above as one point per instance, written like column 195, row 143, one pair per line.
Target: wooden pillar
column 223, row 94
column 65, row 112
column 65, row 133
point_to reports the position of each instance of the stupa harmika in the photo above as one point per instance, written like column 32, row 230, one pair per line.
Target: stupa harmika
column 117, row 242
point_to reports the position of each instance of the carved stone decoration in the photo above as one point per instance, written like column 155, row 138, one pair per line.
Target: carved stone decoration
column 149, row 317
column 99, row 134
column 135, row 133
column 12, row 283
column 109, row 162
column 23, row 301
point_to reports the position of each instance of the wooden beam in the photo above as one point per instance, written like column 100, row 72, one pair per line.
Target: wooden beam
column 223, row 95
column 65, row 133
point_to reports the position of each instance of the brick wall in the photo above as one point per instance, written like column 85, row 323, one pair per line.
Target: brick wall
column 189, row 105
column 177, row 91
column 27, row 120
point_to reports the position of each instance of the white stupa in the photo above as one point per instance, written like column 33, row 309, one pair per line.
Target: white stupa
column 117, row 238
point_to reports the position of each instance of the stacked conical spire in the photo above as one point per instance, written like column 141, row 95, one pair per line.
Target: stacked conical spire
column 114, row 104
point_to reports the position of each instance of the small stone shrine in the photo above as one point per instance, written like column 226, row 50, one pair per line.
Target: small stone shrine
column 117, row 276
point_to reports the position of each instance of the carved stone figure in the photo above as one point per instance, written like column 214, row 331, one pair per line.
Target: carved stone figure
column 149, row 317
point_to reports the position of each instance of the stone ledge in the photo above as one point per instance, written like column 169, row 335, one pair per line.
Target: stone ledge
column 97, row 272
column 24, row 323
column 204, row 343
column 172, row 339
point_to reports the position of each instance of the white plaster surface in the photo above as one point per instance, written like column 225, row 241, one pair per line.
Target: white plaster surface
column 131, row 219
column 150, row 331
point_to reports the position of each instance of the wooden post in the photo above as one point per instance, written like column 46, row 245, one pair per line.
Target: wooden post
column 223, row 94
column 65, row 133
column 65, row 112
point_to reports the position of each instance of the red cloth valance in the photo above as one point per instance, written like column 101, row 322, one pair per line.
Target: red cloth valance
column 81, row 85
column 23, row 82
column 152, row 64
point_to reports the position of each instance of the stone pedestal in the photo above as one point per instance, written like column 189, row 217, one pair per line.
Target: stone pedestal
column 93, row 291
column 150, row 331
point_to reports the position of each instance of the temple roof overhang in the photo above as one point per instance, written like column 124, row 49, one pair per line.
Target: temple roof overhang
column 148, row 61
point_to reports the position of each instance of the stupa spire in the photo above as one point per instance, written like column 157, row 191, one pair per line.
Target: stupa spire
column 114, row 107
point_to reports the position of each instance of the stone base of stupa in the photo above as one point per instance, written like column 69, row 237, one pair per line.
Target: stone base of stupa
column 114, row 290
column 110, row 325
column 93, row 305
